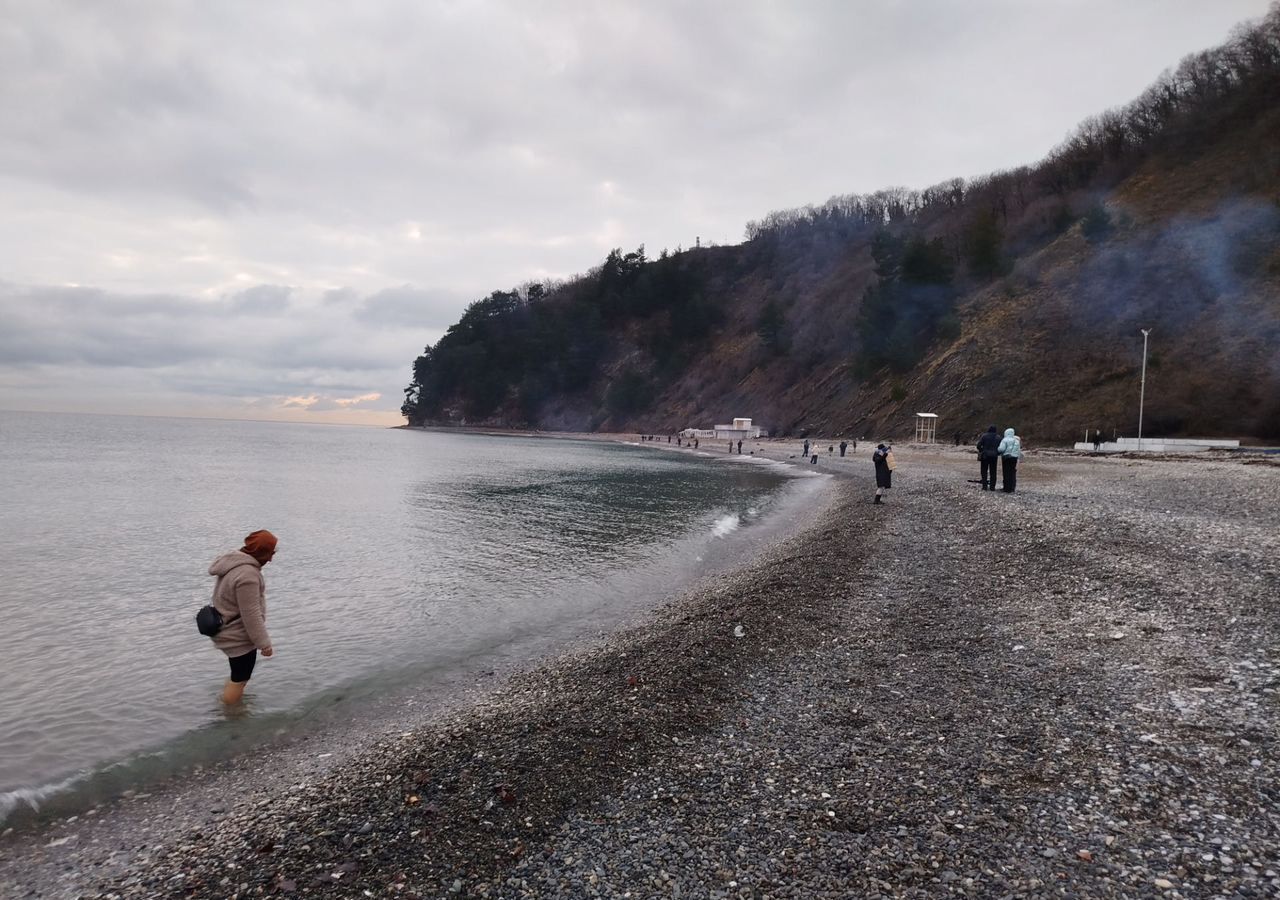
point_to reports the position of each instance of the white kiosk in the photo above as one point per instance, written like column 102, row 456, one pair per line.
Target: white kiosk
column 926, row 428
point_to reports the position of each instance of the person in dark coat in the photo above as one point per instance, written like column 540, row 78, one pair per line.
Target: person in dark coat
column 988, row 444
column 883, row 460
column 844, row 445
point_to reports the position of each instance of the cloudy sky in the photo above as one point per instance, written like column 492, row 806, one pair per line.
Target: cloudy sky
column 266, row 210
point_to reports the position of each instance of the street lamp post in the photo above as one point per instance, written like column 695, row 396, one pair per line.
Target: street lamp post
column 1142, row 392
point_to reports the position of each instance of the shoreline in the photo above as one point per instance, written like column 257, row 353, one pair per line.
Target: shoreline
column 120, row 811
column 1068, row 689
column 66, row 793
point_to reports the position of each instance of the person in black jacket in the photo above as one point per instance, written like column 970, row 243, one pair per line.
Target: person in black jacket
column 883, row 460
column 988, row 444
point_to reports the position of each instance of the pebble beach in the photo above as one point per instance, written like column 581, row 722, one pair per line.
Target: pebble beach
column 1069, row 691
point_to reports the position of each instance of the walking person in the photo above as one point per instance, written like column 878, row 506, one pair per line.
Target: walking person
column 1010, row 451
column 240, row 597
column 884, row 463
column 806, row 447
column 1097, row 441
column 844, row 445
column 739, row 446
column 988, row 455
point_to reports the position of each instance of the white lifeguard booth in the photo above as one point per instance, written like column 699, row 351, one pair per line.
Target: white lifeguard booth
column 926, row 428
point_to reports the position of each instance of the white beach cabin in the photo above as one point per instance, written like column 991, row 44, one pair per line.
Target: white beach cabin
column 740, row 430
column 926, row 428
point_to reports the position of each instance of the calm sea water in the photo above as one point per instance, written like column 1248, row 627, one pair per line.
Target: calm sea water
column 402, row 554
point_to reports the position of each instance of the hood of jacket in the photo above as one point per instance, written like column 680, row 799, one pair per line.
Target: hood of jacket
column 991, row 429
column 1008, row 432
column 228, row 561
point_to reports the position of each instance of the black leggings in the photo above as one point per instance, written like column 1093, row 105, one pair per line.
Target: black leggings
column 242, row 666
column 988, row 474
column 1010, row 474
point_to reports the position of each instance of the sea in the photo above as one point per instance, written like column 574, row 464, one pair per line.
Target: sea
column 406, row 559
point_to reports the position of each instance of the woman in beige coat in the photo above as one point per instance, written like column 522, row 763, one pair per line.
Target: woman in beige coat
column 240, row 596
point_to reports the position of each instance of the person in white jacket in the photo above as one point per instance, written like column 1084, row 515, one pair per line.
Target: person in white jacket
column 1010, row 451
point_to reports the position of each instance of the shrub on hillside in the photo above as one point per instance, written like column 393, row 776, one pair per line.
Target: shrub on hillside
column 1096, row 224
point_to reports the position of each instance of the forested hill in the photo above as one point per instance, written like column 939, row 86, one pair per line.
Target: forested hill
column 1014, row 298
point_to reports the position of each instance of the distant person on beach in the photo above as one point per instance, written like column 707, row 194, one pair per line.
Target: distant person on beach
column 1010, row 451
column 806, row 448
column 1097, row 440
column 739, row 446
column 882, row 458
column 844, row 445
column 988, row 454
column 240, row 596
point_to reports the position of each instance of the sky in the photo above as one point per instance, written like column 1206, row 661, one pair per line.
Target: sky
column 241, row 209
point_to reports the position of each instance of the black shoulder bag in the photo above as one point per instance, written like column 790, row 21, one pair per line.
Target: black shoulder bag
column 209, row 621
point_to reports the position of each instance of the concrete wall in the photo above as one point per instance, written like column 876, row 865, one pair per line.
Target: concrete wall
column 1162, row 445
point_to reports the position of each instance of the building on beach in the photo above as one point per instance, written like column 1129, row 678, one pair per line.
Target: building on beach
column 740, row 430
column 926, row 428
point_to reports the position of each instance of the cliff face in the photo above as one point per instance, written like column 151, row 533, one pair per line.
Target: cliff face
column 1015, row 299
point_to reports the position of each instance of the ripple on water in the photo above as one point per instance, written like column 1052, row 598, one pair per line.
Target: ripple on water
column 399, row 551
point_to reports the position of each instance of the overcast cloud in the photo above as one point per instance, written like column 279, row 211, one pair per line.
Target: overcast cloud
column 268, row 209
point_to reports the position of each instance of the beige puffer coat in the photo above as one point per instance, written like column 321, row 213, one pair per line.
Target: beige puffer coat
column 240, row 594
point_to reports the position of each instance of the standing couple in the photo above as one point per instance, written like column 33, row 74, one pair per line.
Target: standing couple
column 1008, row 450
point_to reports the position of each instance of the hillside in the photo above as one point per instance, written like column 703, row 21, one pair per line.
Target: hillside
column 1015, row 298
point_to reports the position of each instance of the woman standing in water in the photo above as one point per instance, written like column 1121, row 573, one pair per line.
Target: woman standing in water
column 240, row 596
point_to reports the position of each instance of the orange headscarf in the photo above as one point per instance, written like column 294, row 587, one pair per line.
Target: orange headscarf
column 259, row 542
